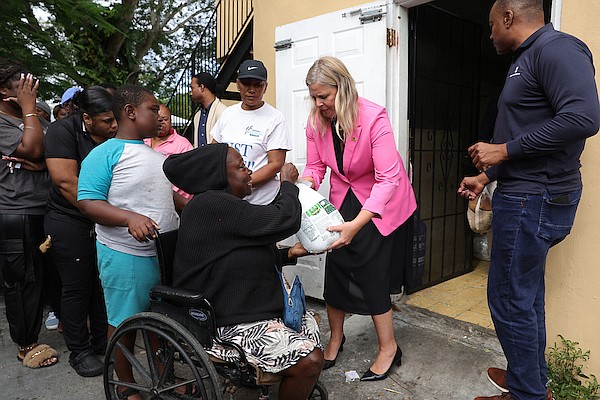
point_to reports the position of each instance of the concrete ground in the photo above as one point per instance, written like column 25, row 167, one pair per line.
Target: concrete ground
column 443, row 359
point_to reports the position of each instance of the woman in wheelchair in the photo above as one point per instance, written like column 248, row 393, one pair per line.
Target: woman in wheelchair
column 225, row 249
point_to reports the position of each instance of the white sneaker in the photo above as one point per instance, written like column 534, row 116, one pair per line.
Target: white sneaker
column 51, row 321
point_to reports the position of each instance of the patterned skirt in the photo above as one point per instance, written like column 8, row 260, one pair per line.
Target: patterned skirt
column 269, row 345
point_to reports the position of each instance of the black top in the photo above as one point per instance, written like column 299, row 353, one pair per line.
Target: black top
column 225, row 249
column 66, row 138
column 548, row 107
column 22, row 192
column 338, row 147
column 225, row 246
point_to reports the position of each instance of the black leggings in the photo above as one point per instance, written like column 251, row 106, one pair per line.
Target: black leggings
column 22, row 266
column 74, row 253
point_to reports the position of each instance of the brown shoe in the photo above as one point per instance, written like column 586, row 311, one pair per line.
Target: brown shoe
column 503, row 396
column 497, row 377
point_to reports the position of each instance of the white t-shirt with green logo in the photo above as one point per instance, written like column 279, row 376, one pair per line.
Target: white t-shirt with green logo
column 253, row 133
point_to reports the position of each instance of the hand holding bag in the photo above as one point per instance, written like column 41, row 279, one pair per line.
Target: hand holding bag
column 317, row 214
column 294, row 302
column 479, row 212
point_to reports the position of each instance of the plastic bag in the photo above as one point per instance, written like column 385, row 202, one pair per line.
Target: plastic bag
column 317, row 214
column 481, row 248
column 479, row 212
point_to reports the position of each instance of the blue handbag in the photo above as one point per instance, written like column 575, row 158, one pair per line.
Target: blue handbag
column 294, row 303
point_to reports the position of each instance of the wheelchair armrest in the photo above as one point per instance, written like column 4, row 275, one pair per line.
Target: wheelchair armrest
column 179, row 295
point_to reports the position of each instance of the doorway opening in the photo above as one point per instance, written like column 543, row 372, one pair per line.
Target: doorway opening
column 455, row 78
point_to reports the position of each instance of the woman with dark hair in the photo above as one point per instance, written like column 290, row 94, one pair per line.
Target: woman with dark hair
column 68, row 142
column 24, row 187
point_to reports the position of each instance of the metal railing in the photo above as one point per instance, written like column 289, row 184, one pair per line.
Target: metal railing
column 233, row 18
column 202, row 58
column 217, row 42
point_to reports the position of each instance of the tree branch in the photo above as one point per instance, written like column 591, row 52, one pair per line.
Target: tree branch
column 115, row 41
column 178, row 26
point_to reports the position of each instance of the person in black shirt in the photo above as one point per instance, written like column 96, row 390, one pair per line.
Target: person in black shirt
column 547, row 109
column 24, row 187
column 68, row 142
column 226, row 250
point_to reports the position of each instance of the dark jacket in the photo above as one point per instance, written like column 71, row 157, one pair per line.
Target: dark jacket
column 225, row 246
column 548, row 107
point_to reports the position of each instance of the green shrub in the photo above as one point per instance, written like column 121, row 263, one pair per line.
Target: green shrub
column 565, row 373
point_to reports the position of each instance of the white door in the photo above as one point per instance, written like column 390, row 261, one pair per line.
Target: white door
column 361, row 46
column 357, row 36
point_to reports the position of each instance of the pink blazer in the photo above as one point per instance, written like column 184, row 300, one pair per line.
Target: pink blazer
column 373, row 168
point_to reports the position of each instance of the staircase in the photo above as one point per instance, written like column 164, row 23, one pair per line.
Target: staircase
column 224, row 43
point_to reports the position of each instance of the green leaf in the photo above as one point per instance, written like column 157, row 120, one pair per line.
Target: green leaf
column 85, row 42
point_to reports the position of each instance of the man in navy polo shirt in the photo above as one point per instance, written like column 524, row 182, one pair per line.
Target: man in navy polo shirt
column 547, row 109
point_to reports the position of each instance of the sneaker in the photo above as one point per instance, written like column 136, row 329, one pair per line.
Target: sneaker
column 51, row 321
column 497, row 377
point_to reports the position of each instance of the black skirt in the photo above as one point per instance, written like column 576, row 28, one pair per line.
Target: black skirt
column 360, row 277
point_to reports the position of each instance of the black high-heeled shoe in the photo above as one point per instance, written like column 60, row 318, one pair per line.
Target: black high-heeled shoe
column 371, row 376
column 330, row 363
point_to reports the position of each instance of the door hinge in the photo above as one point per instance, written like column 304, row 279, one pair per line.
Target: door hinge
column 392, row 37
column 283, row 44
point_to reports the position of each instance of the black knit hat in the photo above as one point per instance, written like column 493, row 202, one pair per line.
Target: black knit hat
column 199, row 170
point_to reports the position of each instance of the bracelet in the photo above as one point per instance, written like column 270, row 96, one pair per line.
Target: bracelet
column 31, row 115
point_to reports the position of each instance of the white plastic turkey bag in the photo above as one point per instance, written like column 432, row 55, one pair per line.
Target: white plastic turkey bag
column 317, row 214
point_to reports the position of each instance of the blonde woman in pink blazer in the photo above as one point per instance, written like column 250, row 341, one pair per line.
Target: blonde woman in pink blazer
column 353, row 137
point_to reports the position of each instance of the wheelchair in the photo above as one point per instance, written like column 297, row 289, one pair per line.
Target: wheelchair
column 170, row 347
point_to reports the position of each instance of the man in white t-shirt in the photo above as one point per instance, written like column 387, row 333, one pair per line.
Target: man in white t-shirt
column 257, row 130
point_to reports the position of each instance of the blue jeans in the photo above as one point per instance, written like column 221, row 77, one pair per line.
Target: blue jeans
column 524, row 228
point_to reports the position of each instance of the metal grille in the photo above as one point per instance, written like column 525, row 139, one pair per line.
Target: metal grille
column 444, row 113
column 203, row 58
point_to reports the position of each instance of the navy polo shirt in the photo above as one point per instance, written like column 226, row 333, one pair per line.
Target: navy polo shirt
column 547, row 108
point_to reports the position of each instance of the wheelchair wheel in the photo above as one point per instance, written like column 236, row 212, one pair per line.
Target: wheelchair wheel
column 166, row 357
column 319, row 392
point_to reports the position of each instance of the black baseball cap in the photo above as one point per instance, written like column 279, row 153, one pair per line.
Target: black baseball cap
column 252, row 69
